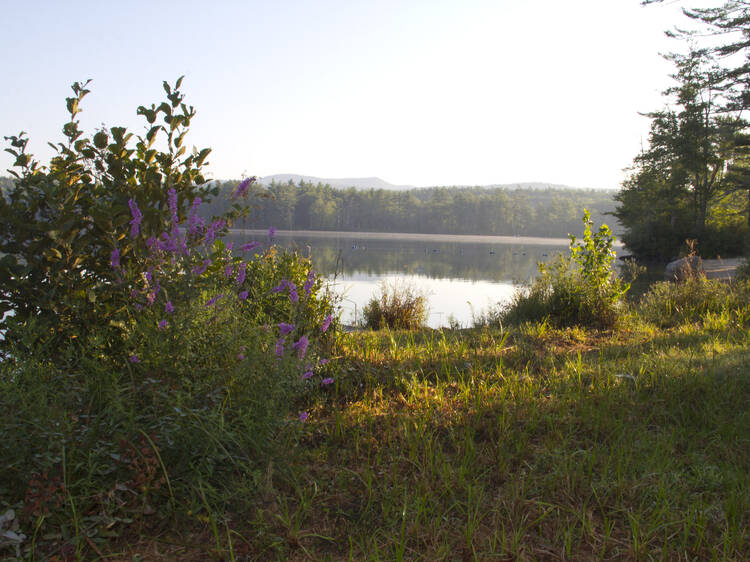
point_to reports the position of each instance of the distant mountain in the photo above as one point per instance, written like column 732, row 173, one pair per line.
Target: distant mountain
column 377, row 183
column 341, row 183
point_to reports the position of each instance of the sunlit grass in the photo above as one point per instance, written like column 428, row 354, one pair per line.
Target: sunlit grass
column 527, row 443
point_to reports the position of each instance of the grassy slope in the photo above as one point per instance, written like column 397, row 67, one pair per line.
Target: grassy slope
column 534, row 444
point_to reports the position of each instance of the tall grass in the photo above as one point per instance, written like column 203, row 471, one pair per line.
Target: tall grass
column 397, row 306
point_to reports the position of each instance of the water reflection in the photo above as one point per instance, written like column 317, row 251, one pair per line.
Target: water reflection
column 461, row 279
column 350, row 256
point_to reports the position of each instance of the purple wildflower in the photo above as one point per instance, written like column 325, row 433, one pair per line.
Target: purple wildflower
column 201, row 269
column 249, row 246
column 293, row 296
column 303, row 416
column 285, row 328
column 134, row 359
column 163, row 324
column 172, row 198
column 307, row 374
column 301, row 347
column 309, row 283
column 149, row 276
column 150, row 242
column 242, row 295
column 240, row 356
column 280, row 287
column 212, row 301
column 168, row 307
column 279, row 347
column 326, row 323
column 114, row 259
column 193, row 220
column 241, row 273
column 228, row 270
column 211, row 231
column 137, row 217
column 271, row 234
column 242, row 187
column 327, row 381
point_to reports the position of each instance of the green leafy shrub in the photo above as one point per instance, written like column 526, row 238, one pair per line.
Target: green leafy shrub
column 581, row 289
column 398, row 307
column 148, row 367
column 60, row 223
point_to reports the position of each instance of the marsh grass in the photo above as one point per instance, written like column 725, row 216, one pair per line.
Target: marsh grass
column 397, row 306
column 528, row 443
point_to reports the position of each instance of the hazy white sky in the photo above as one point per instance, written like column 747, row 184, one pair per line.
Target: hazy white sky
column 416, row 92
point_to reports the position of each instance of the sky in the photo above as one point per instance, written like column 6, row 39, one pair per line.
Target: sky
column 423, row 93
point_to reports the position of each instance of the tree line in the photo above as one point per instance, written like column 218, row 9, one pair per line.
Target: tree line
column 438, row 210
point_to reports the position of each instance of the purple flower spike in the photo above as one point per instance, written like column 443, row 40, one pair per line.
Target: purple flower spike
column 241, row 356
column 168, row 307
column 137, row 217
column 241, row 273
column 201, row 269
column 285, row 328
column 243, row 186
column 193, row 221
column 250, row 246
column 212, row 301
column 172, row 198
column 242, row 295
column 326, row 323
column 134, row 359
column 303, row 416
column 280, row 287
column 309, row 283
column 307, row 374
column 114, row 259
column 293, row 296
column 228, row 270
column 301, row 347
column 279, row 347
column 327, row 381
column 271, row 234
column 163, row 324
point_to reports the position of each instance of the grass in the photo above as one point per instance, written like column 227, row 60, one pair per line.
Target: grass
column 526, row 443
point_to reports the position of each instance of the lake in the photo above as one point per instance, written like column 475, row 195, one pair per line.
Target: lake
column 461, row 275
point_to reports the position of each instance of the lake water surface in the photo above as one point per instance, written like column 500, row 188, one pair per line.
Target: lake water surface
column 461, row 275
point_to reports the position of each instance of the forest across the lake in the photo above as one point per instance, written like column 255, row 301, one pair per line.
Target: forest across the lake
column 491, row 211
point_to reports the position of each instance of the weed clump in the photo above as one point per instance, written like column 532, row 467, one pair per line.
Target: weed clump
column 670, row 304
column 399, row 307
column 581, row 289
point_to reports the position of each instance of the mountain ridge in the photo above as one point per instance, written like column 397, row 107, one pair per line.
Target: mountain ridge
column 378, row 183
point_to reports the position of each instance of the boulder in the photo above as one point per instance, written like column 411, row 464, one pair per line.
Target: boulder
column 684, row 268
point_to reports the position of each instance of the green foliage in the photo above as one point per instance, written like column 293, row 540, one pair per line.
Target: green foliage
column 60, row 223
column 448, row 210
column 399, row 307
column 670, row 304
column 148, row 367
column 581, row 289
column 691, row 181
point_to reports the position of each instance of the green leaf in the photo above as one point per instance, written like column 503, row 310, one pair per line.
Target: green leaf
column 101, row 140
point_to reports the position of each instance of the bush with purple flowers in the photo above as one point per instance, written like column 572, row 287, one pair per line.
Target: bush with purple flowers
column 135, row 327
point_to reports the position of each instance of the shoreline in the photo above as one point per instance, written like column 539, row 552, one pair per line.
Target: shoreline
column 417, row 237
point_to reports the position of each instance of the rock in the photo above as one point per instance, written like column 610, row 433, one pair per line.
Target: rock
column 684, row 268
